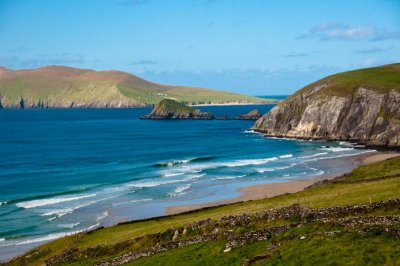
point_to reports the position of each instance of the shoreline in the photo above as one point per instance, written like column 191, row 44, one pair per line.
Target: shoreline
column 361, row 143
column 249, row 193
column 262, row 191
column 232, row 104
column 132, row 107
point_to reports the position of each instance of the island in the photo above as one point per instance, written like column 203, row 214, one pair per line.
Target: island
column 170, row 109
column 252, row 115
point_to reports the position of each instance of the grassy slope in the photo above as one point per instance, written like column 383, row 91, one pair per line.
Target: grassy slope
column 382, row 78
column 327, row 195
column 168, row 105
column 338, row 250
column 56, row 84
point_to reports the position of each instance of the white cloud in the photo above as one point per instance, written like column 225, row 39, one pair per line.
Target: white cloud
column 373, row 50
column 338, row 31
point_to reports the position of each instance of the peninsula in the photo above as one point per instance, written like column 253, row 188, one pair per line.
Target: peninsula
column 67, row 87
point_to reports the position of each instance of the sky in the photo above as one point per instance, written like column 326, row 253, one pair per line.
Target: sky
column 257, row 47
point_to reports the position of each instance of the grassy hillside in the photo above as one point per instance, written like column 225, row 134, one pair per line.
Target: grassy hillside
column 382, row 78
column 168, row 105
column 58, row 86
column 317, row 226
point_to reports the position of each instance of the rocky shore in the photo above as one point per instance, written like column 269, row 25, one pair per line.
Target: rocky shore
column 252, row 115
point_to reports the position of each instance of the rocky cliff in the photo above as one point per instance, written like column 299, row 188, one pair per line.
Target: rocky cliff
column 252, row 115
column 361, row 106
column 170, row 109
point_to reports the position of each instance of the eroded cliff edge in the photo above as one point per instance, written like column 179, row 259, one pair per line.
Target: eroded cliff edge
column 361, row 106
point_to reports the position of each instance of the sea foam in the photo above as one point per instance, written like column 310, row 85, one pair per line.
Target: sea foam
column 69, row 226
column 286, row 156
column 336, row 149
column 313, row 155
column 154, row 183
column 172, row 174
column 182, row 188
column 249, row 162
column 51, row 201
column 273, row 169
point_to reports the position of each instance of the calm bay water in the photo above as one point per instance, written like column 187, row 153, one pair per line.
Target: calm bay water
column 63, row 171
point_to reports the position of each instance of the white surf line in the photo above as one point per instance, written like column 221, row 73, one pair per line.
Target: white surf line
column 50, row 201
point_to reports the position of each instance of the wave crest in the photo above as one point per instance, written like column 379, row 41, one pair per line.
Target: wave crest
column 51, row 201
column 185, row 161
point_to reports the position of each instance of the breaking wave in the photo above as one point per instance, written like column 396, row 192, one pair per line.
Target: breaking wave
column 185, row 161
column 336, row 149
column 50, row 201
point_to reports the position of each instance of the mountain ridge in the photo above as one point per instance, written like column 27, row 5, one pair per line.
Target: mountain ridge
column 68, row 87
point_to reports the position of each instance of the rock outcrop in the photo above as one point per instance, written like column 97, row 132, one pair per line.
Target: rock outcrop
column 360, row 106
column 170, row 109
column 252, row 115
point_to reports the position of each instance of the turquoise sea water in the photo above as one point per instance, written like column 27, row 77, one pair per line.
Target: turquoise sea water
column 63, row 171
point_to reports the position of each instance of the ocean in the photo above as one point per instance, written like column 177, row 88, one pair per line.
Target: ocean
column 66, row 171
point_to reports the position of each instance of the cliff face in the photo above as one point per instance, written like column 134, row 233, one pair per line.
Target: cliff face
column 363, row 114
column 170, row 109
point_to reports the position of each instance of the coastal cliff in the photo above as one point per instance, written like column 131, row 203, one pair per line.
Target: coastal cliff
column 170, row 109
column 361, row 106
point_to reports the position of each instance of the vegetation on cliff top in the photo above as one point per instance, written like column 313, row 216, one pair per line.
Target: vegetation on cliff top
column 325, row 242
column 382, row 79
column 59, row 86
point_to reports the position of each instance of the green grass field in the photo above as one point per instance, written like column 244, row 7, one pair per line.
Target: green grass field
column 381, row 79
column 366, row 184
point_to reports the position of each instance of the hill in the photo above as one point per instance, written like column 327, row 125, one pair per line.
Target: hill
column 67, row 87
column 361, row 106
column 350, row 220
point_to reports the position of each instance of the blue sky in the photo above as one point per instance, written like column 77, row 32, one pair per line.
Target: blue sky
column 256, row 47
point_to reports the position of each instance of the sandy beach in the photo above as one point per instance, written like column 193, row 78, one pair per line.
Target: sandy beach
column 274, row 189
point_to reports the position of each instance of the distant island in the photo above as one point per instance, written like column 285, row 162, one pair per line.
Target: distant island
column 67, row 87
column 362, row 106
column 252, row 115
column 170, row 109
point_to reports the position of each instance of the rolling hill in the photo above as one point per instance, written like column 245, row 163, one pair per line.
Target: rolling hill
column 67, row 87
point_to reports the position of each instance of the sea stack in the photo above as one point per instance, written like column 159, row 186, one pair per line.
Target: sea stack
column 252, row 115
column 170, row 109
column 361, row 106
